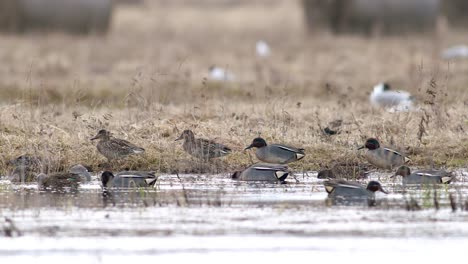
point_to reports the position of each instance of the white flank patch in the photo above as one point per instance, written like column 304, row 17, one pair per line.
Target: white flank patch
column 280, row 174
column 329, row 188
column 150, row 181
column 446, row 179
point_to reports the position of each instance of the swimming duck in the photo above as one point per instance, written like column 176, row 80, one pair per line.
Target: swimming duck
column 423, row 176
column 58, row 181
column 81, row 171
column 394, row 101
column 202, row 148
column 262, row 172
column 128, row 179
column 345, row 170
column 344, row 192
column 383, row 158
column 115, row 148
column 275, row 153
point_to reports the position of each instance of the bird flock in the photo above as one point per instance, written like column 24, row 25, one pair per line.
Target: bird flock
column 273, row 167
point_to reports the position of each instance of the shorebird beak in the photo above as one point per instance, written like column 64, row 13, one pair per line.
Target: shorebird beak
column 179, row 138
column 361, row 147
column 96, row 137
column 249, row 147
column 393, row 176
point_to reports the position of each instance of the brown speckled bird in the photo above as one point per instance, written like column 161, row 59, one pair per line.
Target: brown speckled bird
column 202, row 148
column 114, row 148
column 58, row 181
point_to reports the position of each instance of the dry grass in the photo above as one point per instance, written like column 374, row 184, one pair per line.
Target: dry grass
column 145, row 82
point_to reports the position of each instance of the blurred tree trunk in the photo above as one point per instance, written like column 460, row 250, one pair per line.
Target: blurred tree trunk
column 75, row 16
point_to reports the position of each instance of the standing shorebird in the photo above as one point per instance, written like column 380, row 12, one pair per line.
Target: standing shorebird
column 114, row 148
column 202, row 148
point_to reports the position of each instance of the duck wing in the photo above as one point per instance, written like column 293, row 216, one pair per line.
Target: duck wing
column 121, row 144
column 291, row 149
column 397, row 153
column 211, row 146
column 331, row 185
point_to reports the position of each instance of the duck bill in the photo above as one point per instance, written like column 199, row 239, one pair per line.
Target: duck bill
column 249, row 147
column 382, row 190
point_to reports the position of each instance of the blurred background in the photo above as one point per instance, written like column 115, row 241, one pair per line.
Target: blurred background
column 139, row 52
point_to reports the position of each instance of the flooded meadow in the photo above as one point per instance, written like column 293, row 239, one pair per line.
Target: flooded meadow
column 204, row 217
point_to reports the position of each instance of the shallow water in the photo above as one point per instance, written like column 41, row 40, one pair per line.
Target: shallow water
column 209, row 217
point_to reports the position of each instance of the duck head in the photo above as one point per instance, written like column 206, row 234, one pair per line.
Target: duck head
column 40, row 178
column 257, row 143
column 236, row 175
column 102, row 134
column 375, row 186
column 402, row 171
column 187, row 135
column 106, row 177
column 325, row 174
column 371, row 144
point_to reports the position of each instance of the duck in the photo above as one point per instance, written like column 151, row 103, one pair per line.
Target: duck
column 114, row 148
column 263, row 172
column 275, row 153
column 81, row 171
column 423, row 176
column 342, row 192
column 383, row 158
column 128, row 179
column 394, row 101
column 202, row 148
column 25, row 167
column 58, row 181
column 345, row 170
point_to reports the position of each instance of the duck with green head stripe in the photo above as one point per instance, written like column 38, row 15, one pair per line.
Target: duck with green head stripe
column 263, row 172
column 423, row 176
column 342, row 192
column 275, row 153
column 383, row 158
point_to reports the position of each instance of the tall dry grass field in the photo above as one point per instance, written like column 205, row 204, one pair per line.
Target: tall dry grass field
column 146, row 81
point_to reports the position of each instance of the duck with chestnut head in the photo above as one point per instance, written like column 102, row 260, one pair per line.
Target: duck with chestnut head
column 275, row 153
column 381, row 157
column 342, row 192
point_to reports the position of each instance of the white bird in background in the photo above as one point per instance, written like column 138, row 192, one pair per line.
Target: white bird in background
column 220, row 74
column 393, row 101
column 460, row 51
column 262, row 48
